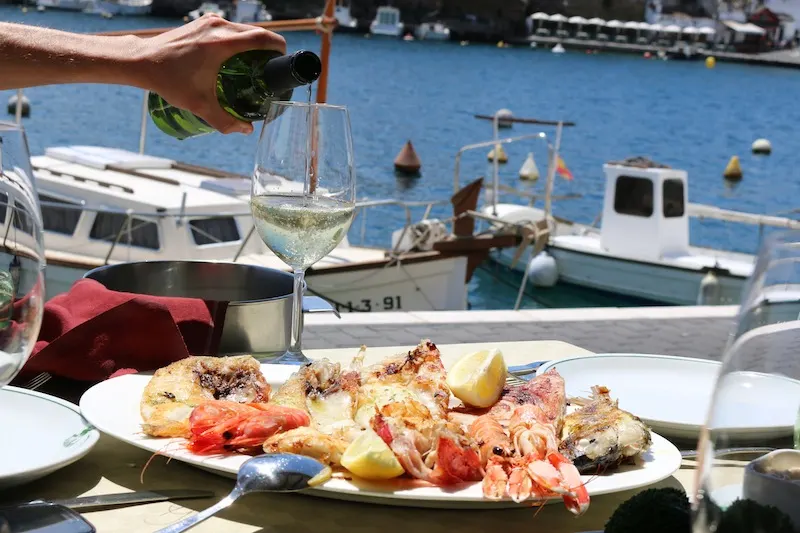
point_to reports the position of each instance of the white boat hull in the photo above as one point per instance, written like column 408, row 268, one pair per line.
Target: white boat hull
column 65, row 5
column 433, row 285
column 386, row 31
column 634, row 279
column 124, row 9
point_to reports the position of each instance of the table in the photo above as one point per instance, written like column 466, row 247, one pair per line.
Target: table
column 113, row 466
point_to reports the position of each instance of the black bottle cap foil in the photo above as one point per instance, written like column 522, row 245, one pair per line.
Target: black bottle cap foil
column 292, row 70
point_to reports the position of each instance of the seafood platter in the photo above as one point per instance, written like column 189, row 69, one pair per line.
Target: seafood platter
column 402, row 431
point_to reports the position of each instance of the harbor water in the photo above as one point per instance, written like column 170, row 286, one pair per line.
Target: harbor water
column 676, row 112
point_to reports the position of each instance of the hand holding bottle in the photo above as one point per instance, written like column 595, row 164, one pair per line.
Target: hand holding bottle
column 182, row 65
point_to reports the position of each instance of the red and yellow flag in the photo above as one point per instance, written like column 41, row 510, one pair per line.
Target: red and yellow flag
column 562, row 170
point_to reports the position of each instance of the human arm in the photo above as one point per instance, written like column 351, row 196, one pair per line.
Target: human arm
column 181, row 65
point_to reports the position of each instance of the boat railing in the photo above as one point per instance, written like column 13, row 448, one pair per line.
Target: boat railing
column 129, row 225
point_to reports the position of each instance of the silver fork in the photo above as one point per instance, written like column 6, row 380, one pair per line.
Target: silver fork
column 37, row 381
column 516, row 374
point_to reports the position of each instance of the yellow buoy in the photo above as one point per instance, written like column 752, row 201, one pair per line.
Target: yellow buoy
column 528, row 171
column 762, row 147
column 501, row 44
column 501, row 154
column 711, row 62
column 733, row 171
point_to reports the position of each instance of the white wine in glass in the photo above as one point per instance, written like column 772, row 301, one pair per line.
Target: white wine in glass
column 303, row 192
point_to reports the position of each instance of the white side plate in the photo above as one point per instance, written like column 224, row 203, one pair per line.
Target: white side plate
column 113, row 407
column 43, row 434
column 673, row 394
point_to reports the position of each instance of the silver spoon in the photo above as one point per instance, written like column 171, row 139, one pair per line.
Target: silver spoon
column 280, row 472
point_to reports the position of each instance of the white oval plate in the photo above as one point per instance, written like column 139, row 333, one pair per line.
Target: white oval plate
column 47, row 434
column 673, row 394
column 113, row 407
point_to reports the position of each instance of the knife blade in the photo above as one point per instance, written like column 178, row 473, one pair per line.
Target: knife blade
column 129, row 498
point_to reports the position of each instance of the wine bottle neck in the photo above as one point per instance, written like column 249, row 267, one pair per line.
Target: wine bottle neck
column 292, row 70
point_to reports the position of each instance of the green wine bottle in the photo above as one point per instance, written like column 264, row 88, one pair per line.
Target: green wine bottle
column 247, row 84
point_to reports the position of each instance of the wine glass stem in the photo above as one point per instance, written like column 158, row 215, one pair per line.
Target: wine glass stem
column 297, row 315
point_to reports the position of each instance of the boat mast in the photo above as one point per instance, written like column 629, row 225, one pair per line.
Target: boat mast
column 325, row 52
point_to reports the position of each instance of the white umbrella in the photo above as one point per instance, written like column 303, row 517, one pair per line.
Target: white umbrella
column 691, row 30
column 596, row 22
column 578, row 21
column 643, row 26
column 707, row 30
column 614, row 24
column 671, row 29
column 656, row 27
column 559, row 18
column 631, row 24
column 539, row 17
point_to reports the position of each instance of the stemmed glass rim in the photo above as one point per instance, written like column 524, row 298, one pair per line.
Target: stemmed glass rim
column 290, row 103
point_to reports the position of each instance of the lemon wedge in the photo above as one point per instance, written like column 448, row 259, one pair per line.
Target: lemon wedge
column 369, row 457
column 477, row 379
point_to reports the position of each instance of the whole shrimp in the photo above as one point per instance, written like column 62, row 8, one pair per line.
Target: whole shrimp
column 519, row 444
column 221, row 426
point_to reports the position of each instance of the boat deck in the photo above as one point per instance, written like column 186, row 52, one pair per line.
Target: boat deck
column 690, row 331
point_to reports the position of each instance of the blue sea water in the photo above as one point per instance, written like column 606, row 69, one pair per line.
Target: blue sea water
column 675, row 112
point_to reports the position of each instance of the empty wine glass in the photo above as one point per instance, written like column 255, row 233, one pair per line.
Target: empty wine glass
column 303, row 192
column 21, row 254
column 756, row 399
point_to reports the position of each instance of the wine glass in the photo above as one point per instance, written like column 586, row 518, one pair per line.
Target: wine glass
column 303, row 192
column 21, row 254
column 756, row 399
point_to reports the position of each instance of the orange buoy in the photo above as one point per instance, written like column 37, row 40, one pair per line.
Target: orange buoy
column 407, row 160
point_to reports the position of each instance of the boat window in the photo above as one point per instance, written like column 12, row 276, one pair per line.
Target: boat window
column 59, row 219
column 634, row 196
column 22, row 218
column 214, row 230
column 3, row 207
column 673, row 198
column 142, row 233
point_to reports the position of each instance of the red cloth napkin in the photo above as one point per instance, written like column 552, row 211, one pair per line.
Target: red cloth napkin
column 91, row 333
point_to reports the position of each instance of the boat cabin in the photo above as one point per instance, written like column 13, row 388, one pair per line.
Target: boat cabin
column 645, row 212
column 99, row 202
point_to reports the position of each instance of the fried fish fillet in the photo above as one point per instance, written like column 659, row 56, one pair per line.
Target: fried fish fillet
column 328, row 393
column 600, row 436
column 175, row 390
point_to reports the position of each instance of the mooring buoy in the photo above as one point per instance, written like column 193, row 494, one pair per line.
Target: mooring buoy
column 733, row 170
column 503, row 118
column 711, row 62
column 762, row 147
column 407, row 161
column 501, row 154
column 529, row 171
column 12, row 105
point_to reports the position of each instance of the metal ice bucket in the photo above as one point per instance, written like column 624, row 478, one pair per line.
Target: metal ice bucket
column 258, row 319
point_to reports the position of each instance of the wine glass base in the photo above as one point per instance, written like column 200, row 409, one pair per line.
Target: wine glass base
column 291, row 358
